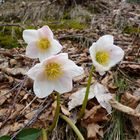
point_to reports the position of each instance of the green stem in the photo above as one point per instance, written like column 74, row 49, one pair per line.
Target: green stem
column 56, row 116
column 82, row 111
column 73, row 126
column 44, row 134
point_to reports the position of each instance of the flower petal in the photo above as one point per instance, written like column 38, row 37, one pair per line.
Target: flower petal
column 63, row 84
column 45, row 32
column 55, row 58
column 102, row 96
column 42, row 87
column 30, row 35
column 35, row 71
column 92, row 51
column 43, row 55
column 116, row 55
column 104, row 41
column 32, row 50
column 62, row 56
column 77, row 98
column 72, row 69
column 56, row 47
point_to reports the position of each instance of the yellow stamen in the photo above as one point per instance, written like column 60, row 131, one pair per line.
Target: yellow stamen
column 53, row 71
column 43, row 44
column 102, row 57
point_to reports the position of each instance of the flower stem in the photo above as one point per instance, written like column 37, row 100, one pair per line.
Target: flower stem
column 73, row 126
column 82, row 111
column 56, row 116
column 44, row 134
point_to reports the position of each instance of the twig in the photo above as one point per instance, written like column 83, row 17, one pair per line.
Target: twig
column 21, row 85
column 128, row 62
column 11, row 90
column 124, row 108
column 38, row 113
column 13, row 24
column 28, row 105
column 24, row 80
column 7, row 118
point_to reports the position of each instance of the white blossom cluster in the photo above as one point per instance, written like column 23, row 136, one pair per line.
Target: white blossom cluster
column 56, row 71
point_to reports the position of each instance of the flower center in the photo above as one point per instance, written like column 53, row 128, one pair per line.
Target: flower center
column 43, row 44
column 102, row 57
column 53, row 71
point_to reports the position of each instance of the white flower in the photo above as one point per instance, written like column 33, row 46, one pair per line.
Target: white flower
column 96, row 90
column 41, row 43
column 54, row 74
column 105, row 54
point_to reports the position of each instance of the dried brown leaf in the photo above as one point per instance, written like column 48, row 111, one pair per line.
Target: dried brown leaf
column 94, row 115
column 17, row 109
column 16, row 126
column 30, row 114
column 3, row 112
column 2, row 99
column 93, row 130
column 14, row 71
column 5, row 130
column 129, row 100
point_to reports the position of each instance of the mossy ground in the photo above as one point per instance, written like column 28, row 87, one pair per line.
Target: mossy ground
column 131, row 30
column 9, row 37
column 66, row 24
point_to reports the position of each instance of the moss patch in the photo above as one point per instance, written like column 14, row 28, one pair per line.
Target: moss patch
column 66, row 24
column 9, row 37
column 131, row 29
column 8, row 42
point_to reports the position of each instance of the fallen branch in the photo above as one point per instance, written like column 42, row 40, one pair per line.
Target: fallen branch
column 13, row 24
column 124, row 108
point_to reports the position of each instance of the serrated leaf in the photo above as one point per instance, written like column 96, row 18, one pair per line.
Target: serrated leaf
column 5, row 138
column 29, row 134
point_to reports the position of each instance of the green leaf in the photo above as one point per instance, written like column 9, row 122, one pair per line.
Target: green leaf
column 5, row 138
column 29, row 134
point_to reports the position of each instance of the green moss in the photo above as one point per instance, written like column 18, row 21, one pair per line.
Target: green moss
column 31, row 27
column 67, row 24
column 6, row 41
column 9, row 37
column 131, row 29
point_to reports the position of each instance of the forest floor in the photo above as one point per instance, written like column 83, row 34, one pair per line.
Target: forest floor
column 20, row 108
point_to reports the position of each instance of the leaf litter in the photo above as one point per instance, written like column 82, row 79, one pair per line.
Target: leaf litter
column 23, row 109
